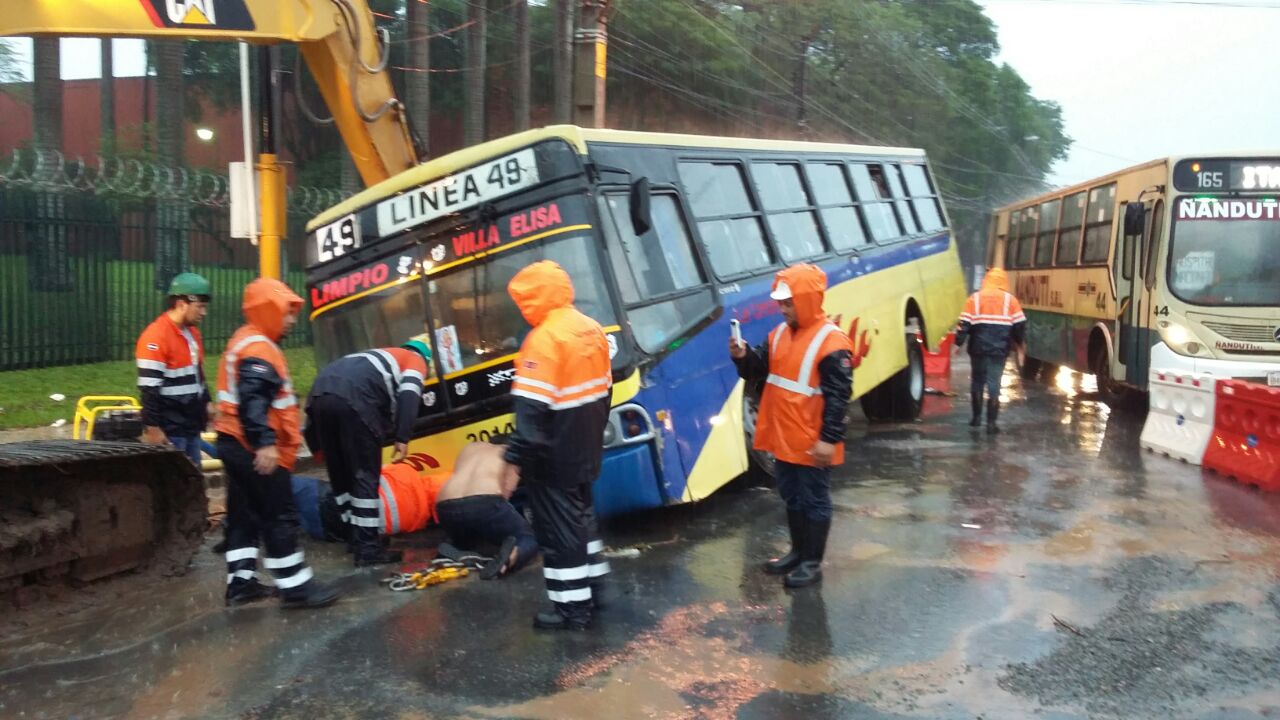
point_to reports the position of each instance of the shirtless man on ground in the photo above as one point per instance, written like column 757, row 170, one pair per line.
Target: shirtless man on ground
column 474, row 508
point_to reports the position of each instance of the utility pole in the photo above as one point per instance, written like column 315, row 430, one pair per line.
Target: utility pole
column 591, row 44
column 562, row 61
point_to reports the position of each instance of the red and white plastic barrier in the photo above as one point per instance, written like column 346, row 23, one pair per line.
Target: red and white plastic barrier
column 1181, row 415
column 1246, row 434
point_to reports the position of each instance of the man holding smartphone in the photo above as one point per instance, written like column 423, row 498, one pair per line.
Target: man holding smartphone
column 806, row 366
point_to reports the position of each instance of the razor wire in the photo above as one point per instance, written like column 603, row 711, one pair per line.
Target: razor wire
column 51, row 171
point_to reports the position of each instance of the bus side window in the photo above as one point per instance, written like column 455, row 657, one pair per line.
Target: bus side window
column 729, row 225
column 1069, row 236
column 661, row 264
column 839, row 211
column 1154, row 236
column 905, row 213
column 788, row 210
column 873, row 193
column 1097, row 232
column 1027, row 237
column 1049, row 212
column 924, row 198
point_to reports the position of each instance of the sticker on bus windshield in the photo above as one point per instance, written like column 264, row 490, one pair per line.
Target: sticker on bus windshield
column 1194, row 271
column 450, row 353
column 455, row 193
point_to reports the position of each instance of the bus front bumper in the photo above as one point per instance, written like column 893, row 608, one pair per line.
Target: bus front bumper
column 1163, row 358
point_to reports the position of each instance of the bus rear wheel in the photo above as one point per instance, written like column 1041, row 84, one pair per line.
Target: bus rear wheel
column 900, row 398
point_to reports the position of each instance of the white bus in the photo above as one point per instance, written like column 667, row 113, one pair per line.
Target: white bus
column 1173, row 264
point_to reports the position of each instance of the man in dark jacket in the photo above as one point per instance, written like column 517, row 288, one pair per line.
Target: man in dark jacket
column 992, row 323
column 561, row 391
column 356, row 403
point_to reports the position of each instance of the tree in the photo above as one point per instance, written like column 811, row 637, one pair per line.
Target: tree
column 172, row 213
column 562, row 60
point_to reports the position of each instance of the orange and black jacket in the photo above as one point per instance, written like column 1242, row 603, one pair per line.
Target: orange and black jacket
column 563, row 383
column 806, row 373
column 256, row 404
column 383, row 387
column 992, row 320
column 171, row 380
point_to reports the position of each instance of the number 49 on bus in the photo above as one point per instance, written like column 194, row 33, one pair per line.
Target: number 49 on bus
column 337, row 239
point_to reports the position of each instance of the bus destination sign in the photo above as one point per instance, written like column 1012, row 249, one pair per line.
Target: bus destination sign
column 1259, row 175
column 458, row 192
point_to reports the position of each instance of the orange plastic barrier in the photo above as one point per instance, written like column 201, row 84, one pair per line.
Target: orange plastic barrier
column 1246, row 434
column 937, row 364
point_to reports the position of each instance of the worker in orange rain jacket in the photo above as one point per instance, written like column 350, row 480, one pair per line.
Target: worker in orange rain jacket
column 170, row 359
column 561, row 392
column 357, row 402
column 258, row 440
column 806, row 365
column 992, row 323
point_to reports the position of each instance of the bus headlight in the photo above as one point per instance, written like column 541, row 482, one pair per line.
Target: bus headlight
column 1179, row 339
column 628, row 424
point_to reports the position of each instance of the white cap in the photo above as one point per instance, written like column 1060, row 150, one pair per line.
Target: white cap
column 782, row 292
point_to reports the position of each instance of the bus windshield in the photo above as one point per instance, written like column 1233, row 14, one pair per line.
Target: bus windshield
column 1226, row 255
column 473, row 319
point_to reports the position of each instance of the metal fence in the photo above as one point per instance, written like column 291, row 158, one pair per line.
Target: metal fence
column 86, row 253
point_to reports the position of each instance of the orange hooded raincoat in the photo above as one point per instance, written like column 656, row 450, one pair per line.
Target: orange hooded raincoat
column 810, row 375
column 562, row 384
column 266, row 304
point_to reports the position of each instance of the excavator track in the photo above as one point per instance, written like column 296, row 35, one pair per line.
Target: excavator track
column 72, row 512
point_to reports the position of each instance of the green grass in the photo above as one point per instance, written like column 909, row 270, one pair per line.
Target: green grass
column 24, row 394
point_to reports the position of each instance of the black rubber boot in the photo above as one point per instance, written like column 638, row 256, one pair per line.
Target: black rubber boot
column 993, row 412
column 553, row 619
column 378, row 556
column 815, row 546
column 788, row 562
column 976, row 420
column 243, row 593
column 601, row 596
column 309, row 595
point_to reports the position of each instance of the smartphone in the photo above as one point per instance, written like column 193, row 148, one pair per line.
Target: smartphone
column 735, row 329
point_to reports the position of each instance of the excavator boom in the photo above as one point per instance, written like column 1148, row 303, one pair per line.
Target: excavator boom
column 338, row 39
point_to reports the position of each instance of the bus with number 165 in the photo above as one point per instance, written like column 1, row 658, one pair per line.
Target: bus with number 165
column 1169, row 265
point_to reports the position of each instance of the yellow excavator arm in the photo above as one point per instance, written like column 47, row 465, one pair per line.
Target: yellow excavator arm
column 338, row 39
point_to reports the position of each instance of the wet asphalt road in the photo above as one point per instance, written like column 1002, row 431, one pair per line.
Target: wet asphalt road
column 1052, row 571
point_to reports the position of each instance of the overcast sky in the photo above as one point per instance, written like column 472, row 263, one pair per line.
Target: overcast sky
column 1148, row 78
column 1137, row 79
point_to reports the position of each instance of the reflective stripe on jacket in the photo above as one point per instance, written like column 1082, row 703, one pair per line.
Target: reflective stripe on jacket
column 791, row 407
column 408, row 498
column 171, row 378
column 282, row 415
column 992, row 319
column 383, row 386
column 562, row 385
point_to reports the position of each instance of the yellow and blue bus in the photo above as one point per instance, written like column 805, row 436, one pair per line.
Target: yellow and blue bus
column 667, row 238
column 1173, row 264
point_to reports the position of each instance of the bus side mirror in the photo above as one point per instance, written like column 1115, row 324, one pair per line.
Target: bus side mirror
column 641, row 217
column 1135, row 216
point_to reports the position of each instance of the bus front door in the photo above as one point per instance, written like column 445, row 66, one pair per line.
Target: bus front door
column 1132, row 311
column 1128, row 288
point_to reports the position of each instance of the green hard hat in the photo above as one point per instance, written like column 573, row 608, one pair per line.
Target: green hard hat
column 419, row 347
column 190, row 284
